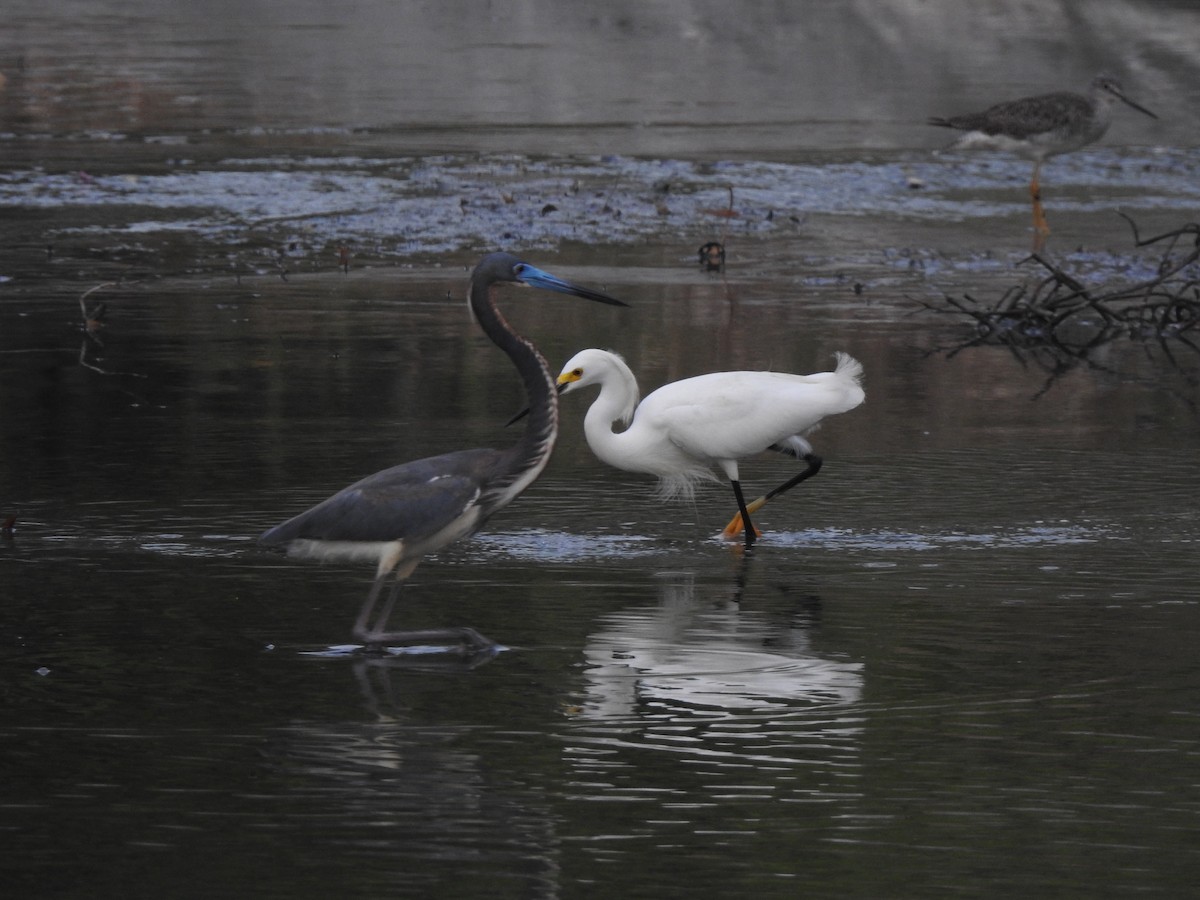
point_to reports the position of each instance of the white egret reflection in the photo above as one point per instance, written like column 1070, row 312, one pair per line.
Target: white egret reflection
column 687, row 656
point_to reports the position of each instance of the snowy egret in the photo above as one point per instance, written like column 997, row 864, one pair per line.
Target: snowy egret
column 1042, row 126
column 397, row 516
column 683, row 428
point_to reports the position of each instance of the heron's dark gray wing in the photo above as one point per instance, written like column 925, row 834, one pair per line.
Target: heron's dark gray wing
column 409, row 501
column 1025, row 117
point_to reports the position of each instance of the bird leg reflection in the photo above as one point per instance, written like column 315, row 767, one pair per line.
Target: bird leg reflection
column 462, row 639
column 742, row 519
column 741, row 577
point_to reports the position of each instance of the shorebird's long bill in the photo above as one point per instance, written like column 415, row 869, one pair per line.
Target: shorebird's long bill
column 535, row 277
column 1129, row 102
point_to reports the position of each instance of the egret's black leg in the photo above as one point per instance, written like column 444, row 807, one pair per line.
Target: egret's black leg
column 751, row 535
column 742, row 520
column 814, row 466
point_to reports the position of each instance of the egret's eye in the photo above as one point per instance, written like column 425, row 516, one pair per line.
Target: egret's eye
column 578, row 373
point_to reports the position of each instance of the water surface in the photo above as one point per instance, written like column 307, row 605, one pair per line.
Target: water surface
column 961, row 662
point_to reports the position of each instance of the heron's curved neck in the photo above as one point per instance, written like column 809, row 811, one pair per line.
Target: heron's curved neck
column 542, row 428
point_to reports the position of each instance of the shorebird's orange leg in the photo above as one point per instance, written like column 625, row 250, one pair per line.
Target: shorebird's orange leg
column 1041, row 227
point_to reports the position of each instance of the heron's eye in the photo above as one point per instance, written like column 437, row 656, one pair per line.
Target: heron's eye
column 519, row 269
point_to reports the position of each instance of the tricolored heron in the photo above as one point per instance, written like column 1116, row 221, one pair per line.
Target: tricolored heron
column 395, row 517
column 1040, row 127
column 684, row 427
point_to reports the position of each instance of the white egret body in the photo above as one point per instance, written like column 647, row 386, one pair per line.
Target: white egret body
column 683, row 429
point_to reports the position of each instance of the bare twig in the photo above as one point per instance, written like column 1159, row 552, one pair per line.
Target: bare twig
column 1161, row 307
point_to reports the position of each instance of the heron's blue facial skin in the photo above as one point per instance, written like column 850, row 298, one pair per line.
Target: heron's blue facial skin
column 535, row 277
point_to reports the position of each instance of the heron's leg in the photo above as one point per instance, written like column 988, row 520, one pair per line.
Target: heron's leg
column 360, row 624
column 385, row 613
column 736, row 523
column 462, row 639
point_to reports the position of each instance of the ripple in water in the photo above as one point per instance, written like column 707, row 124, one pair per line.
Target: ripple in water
column 558, row 546
column 1036, row 535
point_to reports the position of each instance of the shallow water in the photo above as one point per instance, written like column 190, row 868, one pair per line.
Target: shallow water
column 970, row 639
column 961, row 661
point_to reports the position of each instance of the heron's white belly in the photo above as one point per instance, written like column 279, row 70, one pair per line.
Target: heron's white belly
column 341, row 551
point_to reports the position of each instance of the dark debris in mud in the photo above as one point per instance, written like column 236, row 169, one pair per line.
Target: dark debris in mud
column 1057, row 308
column 1056, row 322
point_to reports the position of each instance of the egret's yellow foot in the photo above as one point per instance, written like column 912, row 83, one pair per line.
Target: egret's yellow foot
column 736, row 526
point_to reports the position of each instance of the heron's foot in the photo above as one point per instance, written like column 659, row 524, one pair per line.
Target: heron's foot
column 462, row 640
column 474, row 642
column 736, row 526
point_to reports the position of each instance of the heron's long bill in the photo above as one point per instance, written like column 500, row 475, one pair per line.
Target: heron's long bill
column 562, row 386
column 535, row 277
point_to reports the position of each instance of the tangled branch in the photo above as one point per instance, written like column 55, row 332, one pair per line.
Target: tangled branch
column 1060, row 311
